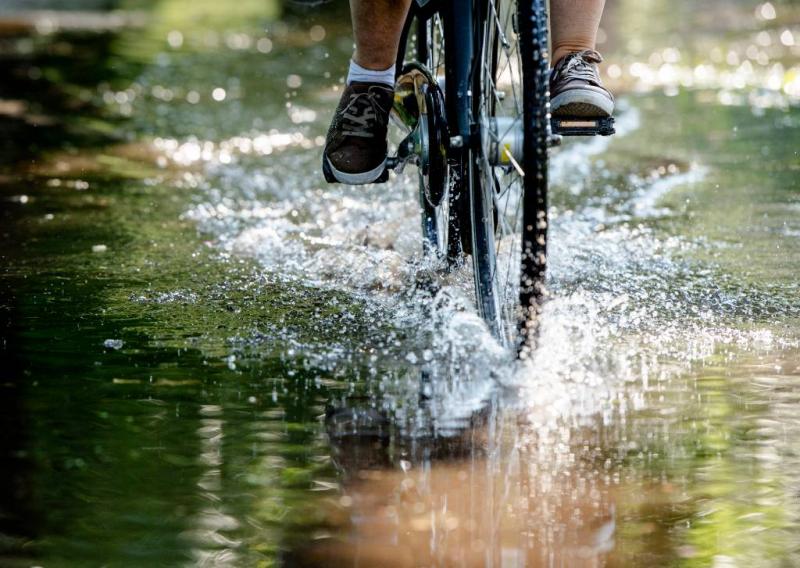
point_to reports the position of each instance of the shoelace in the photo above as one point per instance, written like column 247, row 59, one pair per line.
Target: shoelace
column 579, row 65
column 365, row 109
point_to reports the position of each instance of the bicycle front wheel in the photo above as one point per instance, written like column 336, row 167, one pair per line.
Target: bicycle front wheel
column 508, row 167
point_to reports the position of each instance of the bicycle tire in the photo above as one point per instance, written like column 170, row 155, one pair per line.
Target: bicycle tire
column 509, row 244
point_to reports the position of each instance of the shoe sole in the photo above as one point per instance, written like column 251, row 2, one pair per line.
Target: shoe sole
column 361, row 178
column 583, row 103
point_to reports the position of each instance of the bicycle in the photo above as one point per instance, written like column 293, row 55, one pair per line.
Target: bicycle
column 479, row 129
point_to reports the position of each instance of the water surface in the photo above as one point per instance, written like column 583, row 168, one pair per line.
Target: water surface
column 210, row 357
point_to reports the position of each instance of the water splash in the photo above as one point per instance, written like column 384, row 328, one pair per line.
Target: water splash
column 622, row 298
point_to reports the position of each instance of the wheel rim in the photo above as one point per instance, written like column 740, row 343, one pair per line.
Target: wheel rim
column 498, row 189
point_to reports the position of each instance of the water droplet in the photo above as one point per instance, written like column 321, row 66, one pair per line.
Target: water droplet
column 264, row 45
column 218, row 94
column 317, row 33
column 294, row 81
column 766, row 11
column 175, row 39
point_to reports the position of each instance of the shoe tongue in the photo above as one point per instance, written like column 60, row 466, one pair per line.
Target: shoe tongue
column 591, row 56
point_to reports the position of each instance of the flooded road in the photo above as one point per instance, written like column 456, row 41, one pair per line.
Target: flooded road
column 210, row 357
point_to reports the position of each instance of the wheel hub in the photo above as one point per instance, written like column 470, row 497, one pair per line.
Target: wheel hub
column 504, row 143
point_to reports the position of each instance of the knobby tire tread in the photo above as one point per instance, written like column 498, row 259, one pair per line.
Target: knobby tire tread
column 536, row 109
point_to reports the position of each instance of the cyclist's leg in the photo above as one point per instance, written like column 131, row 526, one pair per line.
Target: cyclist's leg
column 574, row 25
column 575, row 86
column 377, row 26
column 355, row 148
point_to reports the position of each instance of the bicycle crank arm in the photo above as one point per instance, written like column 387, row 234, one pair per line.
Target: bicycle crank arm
column 407, row 151
column 582, row 126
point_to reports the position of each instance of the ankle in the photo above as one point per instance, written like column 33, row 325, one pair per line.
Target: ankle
column 374, row 59
column 362, row 74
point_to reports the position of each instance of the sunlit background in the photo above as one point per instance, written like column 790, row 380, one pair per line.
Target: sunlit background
column 210, row 357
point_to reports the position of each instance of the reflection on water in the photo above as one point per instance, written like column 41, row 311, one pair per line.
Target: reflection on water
column 211, row 358
column 699, row 467
column 501, row 494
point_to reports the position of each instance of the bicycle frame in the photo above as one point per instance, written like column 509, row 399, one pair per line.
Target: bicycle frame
column 458, row 22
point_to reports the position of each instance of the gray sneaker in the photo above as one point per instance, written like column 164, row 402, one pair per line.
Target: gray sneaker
column 575, row 87
column 356, row 148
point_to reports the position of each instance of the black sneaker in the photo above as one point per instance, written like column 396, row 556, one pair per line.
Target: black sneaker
column 575, row 87
column 356, row 149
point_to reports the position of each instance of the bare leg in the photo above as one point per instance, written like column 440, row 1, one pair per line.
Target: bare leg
column 574, row 24
column 377, row 26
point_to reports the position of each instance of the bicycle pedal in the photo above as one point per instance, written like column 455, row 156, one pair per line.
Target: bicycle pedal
column 582, row 126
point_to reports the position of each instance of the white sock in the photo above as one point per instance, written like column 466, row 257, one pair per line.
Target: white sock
column 358, row 73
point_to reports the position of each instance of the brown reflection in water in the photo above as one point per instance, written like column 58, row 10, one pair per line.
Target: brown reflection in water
column 500, row 494
column 703, row 471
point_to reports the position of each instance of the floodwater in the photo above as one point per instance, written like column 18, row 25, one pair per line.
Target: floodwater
column 209, row 357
